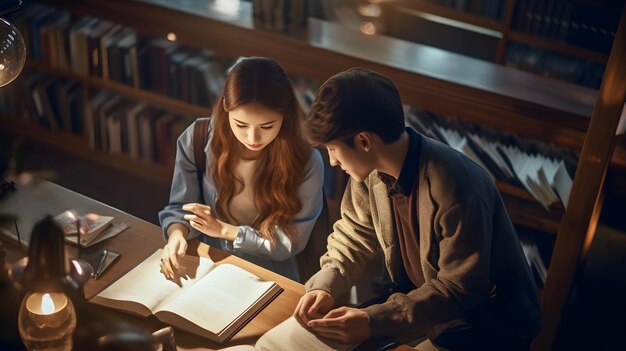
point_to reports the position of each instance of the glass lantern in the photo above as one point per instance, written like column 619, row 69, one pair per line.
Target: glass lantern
column 12, row 52
column 47, row 321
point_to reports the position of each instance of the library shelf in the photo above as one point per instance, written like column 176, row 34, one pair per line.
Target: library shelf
column 77, row 145
column 122, row 89
column 504, row 25
column 558, row 46
column 442, row 82
column 451, row 13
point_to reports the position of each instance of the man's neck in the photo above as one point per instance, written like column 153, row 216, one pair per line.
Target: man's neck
column 392, row 156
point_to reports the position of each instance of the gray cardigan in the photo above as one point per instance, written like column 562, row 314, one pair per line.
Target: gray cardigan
column 472, row 260
column 249, row 245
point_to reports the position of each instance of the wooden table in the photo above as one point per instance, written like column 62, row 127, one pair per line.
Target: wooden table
column 35, row 199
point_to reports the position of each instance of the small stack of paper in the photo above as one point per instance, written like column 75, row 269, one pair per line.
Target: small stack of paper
column 538, row 168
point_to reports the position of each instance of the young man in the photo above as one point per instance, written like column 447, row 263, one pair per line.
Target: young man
column 436, row 217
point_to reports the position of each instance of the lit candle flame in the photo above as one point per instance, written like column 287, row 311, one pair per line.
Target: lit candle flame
column 47, row 305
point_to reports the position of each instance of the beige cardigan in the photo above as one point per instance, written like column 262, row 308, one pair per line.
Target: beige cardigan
column 472, row 260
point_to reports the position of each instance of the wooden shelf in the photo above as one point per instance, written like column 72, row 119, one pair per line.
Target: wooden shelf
column 77, row 145
column 451, row 13
column 530, row 214
column 123, row 89
column 558, row 47
column 500, row 26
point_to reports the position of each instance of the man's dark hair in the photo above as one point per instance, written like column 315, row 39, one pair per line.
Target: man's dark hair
column 354, row 101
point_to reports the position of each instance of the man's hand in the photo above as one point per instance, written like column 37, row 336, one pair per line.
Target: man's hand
column 345, row 324
column 175, row 248
column 203, row 221
column 314, row 304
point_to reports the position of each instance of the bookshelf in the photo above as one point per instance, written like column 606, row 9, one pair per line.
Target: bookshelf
column 122, row 89
column 511, row 24
column 491, row 95
column 443, row 82
column 77, row 145
column 487, row 94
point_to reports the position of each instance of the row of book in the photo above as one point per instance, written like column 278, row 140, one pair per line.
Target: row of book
column 553, row 65
column 543, row 170
column 89, row 46
column 135, row 128
column 488, row 8
column 280, row 14
column 51, row 102
column 586, row 24
column 111, row 122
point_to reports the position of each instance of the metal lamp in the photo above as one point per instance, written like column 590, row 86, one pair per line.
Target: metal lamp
column 47, row 317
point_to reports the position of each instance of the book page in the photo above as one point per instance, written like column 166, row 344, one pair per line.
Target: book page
column 563, row 183
column 218, row 299
column 111, row 231
column 144, row 288
column 290, row 335
column 240, row 348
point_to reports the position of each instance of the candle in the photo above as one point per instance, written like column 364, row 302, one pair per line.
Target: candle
column 47, row 321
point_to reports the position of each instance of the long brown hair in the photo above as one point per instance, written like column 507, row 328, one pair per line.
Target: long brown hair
column 280, row 168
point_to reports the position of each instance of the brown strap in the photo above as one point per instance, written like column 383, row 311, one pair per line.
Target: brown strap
column 200, row 139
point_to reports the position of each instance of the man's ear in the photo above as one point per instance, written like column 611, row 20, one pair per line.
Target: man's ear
column 363, row 141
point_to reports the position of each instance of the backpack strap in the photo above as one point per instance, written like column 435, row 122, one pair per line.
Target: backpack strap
column 200, row 139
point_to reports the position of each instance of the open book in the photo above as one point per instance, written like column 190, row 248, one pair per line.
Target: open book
column 290, row 335
column 213, row 301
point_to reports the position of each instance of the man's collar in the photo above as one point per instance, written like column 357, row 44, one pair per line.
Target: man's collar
column 407, row 179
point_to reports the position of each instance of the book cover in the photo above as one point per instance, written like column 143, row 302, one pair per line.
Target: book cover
column 90, row 225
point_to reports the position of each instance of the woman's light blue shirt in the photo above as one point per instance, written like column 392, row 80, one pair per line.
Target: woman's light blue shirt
column 249, row 245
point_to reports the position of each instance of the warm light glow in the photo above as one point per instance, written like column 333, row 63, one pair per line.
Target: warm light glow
column 171, row 36
column 12, row 52
column 369, row 10
column 92, row 216
column 46, row 321
column 228, row 8
column 79, row 269
column 368, row 28
column 47, row 305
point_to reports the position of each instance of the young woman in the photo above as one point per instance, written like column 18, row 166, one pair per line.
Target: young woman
column 263, row 183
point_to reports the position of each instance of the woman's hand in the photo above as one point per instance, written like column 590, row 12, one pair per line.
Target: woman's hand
column 203, row 221
column 174, row 249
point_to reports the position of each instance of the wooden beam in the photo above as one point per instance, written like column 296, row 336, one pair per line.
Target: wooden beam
column 581, row 217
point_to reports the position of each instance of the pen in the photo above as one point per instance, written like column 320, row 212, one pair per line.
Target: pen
column 103, row 258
